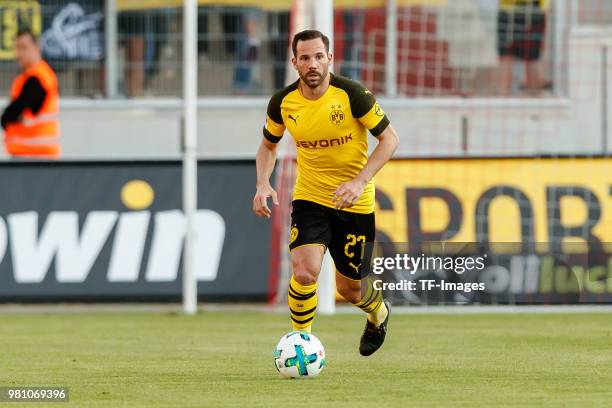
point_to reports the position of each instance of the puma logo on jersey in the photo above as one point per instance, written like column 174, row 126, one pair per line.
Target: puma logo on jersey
column 294, row 119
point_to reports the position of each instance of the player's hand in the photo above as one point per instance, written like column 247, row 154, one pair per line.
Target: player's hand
column 348, row 193
column 260, row 202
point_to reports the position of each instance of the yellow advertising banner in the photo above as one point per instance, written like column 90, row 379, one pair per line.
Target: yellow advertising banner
column 567, row 200
column 15, row 14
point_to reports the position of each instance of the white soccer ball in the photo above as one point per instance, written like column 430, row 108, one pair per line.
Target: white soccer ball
column 299, row 355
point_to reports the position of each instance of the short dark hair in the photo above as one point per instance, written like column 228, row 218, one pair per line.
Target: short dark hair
column 308, row 35
column 27, row 31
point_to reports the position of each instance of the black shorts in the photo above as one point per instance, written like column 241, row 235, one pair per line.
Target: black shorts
column 344, row 233
column 521, row 33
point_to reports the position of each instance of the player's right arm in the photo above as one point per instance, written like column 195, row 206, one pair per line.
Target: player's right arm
column 266, row 158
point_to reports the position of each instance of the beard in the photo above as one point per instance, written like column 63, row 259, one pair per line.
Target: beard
column 313, row 79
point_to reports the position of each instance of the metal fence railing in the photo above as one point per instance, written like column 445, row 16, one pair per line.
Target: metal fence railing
column 133, row 48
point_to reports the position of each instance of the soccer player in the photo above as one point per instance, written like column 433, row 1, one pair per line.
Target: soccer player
column 333, row 200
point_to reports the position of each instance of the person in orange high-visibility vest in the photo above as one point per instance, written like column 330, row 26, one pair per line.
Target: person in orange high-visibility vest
column 30, row 121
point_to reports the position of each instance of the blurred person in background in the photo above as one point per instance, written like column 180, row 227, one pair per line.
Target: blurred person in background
column 30, row 121
column 278, row 32
column 354, row 23
column 240, row 26
column 143, row 34
column 132, row 30
column 521, row 27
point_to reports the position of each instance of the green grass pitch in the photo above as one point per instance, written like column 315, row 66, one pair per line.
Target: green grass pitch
column 219, row 359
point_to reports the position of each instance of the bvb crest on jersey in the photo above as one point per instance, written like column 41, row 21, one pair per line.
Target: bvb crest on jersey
column 336, row 116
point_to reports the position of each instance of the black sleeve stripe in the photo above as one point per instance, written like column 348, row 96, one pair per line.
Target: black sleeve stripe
column 270, row 137
column 382, row 125
column 274, row 106
column 360, row 98
column 274, row 109
column 361, row 103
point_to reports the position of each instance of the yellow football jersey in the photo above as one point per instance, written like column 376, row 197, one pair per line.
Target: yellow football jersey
column 331, row 137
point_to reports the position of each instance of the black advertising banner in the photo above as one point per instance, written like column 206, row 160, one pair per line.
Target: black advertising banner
column 73, row 30
column 115, row 230
column 68, row 30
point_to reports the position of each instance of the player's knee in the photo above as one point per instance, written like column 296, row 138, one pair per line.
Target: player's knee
column 351, row 292
column 304, row 277
column 352, row 296
column 305, row 271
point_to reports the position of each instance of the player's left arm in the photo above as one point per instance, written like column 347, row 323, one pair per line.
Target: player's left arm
column 365, row 109
column 349, row 192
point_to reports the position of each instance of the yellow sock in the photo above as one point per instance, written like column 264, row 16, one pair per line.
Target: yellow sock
column 379, row 315
column 302, row 301
column 372, row 303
